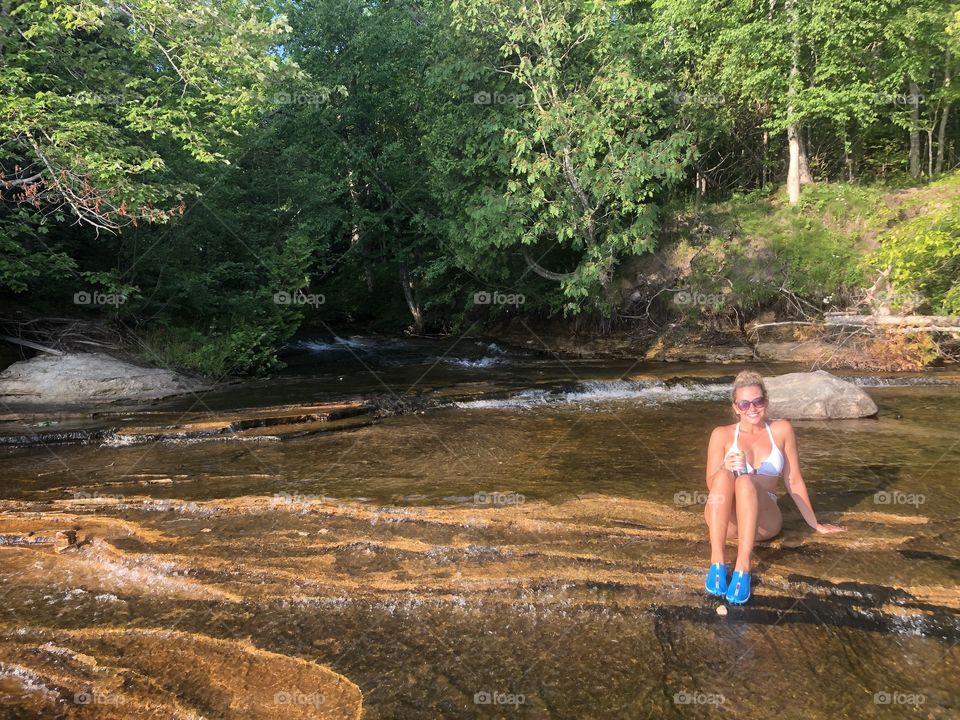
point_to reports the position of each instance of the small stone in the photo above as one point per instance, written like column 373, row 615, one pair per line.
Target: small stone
column 722, row 611
column 207, row 530
column 302, row 533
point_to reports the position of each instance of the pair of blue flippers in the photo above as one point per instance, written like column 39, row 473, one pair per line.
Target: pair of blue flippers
column 736, row 590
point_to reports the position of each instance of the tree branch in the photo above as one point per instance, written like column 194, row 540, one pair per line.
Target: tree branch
column 542, row 271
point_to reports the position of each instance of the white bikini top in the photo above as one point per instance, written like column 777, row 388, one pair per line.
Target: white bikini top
column 772, row 465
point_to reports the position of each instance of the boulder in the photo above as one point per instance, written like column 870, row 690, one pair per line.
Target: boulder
column 88, row 378
column 816, row 396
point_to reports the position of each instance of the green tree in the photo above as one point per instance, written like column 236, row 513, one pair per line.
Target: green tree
column 591, row 141
column 98, row 96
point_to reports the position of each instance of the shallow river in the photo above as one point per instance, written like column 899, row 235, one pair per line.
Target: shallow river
column 532, row 547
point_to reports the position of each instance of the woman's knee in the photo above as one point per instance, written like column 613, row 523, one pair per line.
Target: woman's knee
column 744, row 485
column 722, row 482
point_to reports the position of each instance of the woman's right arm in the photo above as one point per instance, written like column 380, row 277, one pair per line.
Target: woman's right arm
column 716, row 462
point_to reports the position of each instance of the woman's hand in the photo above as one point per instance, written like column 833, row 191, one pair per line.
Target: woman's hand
column 735, row 462
column 826, row 529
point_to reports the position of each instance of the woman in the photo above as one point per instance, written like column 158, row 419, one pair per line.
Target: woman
column 743, row 463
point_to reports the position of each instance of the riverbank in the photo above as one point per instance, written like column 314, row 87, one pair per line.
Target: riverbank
column 805, row 344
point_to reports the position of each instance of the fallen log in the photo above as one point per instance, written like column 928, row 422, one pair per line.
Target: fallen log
column 905, row 323
column 32, row 345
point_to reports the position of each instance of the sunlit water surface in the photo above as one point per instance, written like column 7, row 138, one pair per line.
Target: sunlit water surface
column 533, row 547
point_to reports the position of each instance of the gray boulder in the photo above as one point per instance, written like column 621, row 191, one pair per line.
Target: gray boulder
column 88, row 378
column 816, row 396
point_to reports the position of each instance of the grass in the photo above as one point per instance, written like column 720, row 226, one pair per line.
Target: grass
column 821, row 250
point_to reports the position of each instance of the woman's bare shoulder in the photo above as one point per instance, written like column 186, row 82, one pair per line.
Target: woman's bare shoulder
column 723, row 432
column 781, row 427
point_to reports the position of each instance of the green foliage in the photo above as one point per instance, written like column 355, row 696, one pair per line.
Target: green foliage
column 95, row 95
column 397, row 157
column 27, row 256
column 589, row 141
column 216, row 353
column 923, row 253
column 809, row 252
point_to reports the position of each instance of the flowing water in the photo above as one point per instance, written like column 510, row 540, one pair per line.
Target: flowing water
column 529, row 543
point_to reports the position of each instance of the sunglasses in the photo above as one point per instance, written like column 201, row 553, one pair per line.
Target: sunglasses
column 759, row 403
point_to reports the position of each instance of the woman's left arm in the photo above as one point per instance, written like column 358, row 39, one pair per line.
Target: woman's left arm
column 794, row 481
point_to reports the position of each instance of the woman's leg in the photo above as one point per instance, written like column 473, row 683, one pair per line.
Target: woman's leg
column 748, row 510
column 718, row 513
column 767, row 522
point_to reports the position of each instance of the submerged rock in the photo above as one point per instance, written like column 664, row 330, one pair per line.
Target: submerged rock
column 156, row 673
column 817, row 396
column 89, row 378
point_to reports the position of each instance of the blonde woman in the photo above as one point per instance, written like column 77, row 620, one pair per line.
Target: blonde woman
column 744, row 461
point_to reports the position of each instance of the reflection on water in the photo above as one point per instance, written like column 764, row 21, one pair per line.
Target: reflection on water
column 534, row 552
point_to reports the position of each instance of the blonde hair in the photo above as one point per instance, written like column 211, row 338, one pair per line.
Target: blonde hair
column 747, row 378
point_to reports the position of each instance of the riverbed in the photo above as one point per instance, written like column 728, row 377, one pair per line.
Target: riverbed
column 529, row 543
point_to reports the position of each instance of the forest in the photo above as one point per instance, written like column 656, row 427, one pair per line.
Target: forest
column 211, row 177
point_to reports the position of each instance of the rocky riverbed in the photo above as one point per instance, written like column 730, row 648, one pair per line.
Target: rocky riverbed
column 530, row 542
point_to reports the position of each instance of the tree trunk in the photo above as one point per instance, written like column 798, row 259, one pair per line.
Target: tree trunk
column 793, row 132
column 914, row 99
column 355, row 236
column 805, row 177
column 942, row 135
column 409, row 294
column 847, row 157
column 591, row 237
column 765, row 140
column 934, row 323
column 793, row 169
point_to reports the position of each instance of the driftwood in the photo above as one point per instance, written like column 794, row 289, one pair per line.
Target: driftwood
column 32, row 345
column 755, row 330
column 901, row 323
column 59, row 335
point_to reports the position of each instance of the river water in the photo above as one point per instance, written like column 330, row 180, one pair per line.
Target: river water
column 530, row 543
